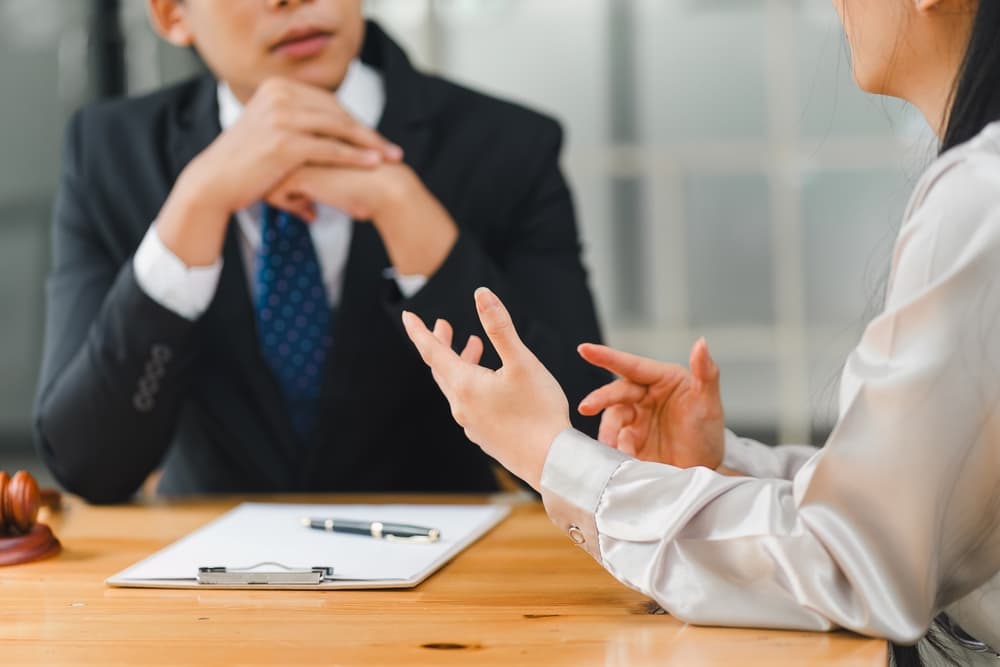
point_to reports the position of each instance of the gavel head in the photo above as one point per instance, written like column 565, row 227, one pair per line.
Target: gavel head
column 19, row 503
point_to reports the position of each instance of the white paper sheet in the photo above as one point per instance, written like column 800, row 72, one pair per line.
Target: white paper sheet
column 256, row 532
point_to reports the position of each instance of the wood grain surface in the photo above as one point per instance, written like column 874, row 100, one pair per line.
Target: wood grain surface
column 523, row 595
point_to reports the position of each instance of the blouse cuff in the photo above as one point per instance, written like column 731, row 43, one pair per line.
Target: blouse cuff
column 576, row 473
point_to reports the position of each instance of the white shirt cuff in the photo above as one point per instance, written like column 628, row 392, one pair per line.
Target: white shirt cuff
column 187, row 291
column 576, row 473
column 408, row 285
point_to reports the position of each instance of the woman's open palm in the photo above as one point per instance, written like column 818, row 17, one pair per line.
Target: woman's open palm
column 658, row 411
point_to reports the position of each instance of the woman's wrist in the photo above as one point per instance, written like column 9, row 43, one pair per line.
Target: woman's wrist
column 542, row 445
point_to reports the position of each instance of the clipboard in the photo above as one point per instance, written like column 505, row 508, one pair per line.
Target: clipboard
column 265, row 546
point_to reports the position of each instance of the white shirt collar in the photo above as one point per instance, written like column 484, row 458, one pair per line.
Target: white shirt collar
column 362, row 94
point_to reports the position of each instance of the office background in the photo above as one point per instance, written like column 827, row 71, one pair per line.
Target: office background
column 730, row 180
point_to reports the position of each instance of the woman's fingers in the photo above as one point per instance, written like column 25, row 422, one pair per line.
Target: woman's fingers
column 444, row 363
column 635, row 368
column 473, row 352
column 612, row 421
column 704, row 369
column 499, row 327
column 443, row 332
column 619, row 391
column 628, row 441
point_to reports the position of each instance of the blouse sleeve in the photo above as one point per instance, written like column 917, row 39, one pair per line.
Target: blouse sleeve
column 759, row 460
column 895, row 518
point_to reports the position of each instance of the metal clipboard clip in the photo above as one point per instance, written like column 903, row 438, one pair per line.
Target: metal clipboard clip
column 253, row 575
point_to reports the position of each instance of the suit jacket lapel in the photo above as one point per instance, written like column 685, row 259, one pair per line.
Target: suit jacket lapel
column 195, row 126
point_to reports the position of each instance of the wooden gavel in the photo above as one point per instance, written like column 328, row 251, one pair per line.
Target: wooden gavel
column 22, row 538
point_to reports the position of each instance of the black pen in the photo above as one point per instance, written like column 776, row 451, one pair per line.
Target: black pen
column 377, row 529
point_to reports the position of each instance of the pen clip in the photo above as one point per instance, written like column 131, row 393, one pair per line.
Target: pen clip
column 245, row 576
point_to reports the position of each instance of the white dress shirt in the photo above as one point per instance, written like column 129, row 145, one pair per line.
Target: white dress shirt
column 188, row 291
column 897, row 518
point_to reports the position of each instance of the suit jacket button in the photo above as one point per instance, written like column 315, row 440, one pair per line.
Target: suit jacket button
column 143, row 402
column 161, row 353
column 148, row 386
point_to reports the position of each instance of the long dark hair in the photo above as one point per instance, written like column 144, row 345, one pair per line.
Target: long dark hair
column 976, row 100
column 975, row 104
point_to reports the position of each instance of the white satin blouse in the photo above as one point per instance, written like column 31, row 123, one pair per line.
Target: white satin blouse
column 897, row 517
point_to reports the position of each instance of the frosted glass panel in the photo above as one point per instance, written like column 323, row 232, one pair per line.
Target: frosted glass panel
column 553, row 54
column 701, row 69
column 36, row 114
column 42, row 75
column 22, row 256
column 851, row 219
column 749, row 393
column 592, row 197
column 38, row 42
column 728, row 246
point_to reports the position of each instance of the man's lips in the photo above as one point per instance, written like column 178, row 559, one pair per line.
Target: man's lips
column 303, row 42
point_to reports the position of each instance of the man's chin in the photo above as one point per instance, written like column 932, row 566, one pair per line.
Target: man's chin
column 318, row 79
column 326, row 75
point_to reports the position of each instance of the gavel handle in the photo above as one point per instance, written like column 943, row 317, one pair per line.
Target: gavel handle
column 51, row 499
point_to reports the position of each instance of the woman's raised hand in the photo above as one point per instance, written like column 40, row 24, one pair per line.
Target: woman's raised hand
column 513, row 413
column 657, row 411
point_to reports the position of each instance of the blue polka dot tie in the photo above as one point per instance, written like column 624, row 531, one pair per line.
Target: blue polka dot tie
column 293, row 315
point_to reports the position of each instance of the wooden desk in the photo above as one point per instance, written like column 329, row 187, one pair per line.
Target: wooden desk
column 521, row 596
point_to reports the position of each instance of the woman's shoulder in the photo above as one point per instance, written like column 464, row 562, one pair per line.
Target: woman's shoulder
column 954, row 217
column 967, row 175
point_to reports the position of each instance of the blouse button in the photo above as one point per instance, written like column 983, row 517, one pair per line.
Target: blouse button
column 576, row 534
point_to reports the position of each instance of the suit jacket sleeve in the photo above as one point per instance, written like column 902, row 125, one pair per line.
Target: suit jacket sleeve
column 536, row 270
column 113, row 363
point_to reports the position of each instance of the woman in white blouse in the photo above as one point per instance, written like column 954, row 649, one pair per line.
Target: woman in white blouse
column 896, row 521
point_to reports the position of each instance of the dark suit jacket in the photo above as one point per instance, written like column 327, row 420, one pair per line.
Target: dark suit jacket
column 128, row 385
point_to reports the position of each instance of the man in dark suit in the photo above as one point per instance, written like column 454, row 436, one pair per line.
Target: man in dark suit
column 232, row 256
